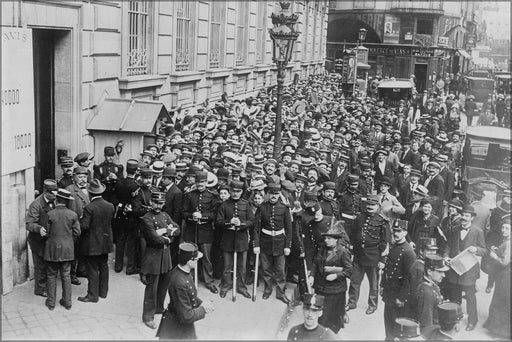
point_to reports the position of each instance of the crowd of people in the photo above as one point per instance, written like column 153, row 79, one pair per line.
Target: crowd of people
column 355, row 188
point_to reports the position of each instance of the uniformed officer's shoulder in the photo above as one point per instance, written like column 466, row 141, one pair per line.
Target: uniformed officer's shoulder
column 327, row 334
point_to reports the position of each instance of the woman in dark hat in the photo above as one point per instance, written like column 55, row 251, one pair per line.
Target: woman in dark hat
column 499, row 311
column 331, row 268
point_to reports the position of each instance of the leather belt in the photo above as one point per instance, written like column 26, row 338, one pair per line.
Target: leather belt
column 273, row 232
column 347, row 216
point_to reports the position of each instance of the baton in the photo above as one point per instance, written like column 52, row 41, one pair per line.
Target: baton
column 255, row 284
column 234, row 267
column 307, row 278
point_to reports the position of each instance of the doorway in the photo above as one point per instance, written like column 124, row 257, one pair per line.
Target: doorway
column 420, row 71
column 47, row 61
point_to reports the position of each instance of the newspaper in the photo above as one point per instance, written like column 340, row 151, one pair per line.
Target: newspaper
column 463, row 262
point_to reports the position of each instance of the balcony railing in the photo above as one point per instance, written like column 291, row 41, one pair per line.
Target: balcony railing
column 433, row 7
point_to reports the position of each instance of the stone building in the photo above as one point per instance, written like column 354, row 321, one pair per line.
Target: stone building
column 61, row 60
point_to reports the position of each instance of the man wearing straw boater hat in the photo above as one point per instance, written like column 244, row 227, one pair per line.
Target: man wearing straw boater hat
column 96, row 241
column 63, row 231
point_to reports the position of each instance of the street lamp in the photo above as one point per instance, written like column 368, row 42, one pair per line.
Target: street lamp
column 362, row 37
column 283, row 37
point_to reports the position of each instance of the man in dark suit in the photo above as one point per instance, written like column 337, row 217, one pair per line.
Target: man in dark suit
column 96, row 241
column 465, row 236
column 448, row 177
column 407, row 189
column 435, row 186
column 382, row 168
column 402, row 125
column 158, row 230
column 78, row 191
column 63, row 231
column 37, row 226
column 173, row 200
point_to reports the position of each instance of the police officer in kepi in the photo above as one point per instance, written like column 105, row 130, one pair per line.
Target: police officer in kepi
column 158, row 230
column 370, row 238
column 311, row 330
column 350, row 202
column 66, row 164
column 199, row 211
column 236, row 220
column 395, row 280
column 125, row 222
column 109, row 173
column 273, row 238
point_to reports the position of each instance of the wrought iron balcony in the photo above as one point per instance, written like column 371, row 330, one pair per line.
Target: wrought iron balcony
column 419, row 7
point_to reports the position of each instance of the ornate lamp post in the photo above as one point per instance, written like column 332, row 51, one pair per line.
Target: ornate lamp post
column 283, row 37
column 360, row 40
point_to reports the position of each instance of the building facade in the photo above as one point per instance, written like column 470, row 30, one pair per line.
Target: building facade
column 424, row 38
column 83, row 52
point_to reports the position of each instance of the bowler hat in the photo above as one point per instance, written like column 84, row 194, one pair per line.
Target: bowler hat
column 64, row 194
column 169, row 172
column 435, row 262
column 456, row 203
column 386, row 181
column 469, row 209
column 96, row 187
column 223, row 173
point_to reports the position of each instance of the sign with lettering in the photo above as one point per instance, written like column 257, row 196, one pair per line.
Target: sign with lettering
column 403, row 51
column 18, row 121
column 443, row 41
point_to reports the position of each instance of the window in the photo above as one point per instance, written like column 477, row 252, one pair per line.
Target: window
column 241, row 33
column 364, row 4
column 139, row 37
column 306, row 29
column 261, row 34
column 425, row 26
column 183, row 34
column 217, row 8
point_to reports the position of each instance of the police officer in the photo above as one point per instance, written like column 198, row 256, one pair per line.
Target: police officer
column 199, row 211
column 185, row 307
column 109, row 174
column 158, row 229
column 66, row 164
column 395, row 282
column 125, row 223
column 450, row 316
column 350, row 202
column 273, row 238
column 236, row 220
column 370, row 238
column 311, row 330
column 37, row 226
column 327, row 202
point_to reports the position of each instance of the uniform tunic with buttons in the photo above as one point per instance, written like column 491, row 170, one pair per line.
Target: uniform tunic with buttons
column 273, row 217
column 184, row 308
column 329, row 207
column 320, row 333
column 157, row 259
column 227, row 211
column 350, row 205
column 429, row 297
column 101, row 172
column 370, row 238
column 205, row 202
column 395, row 281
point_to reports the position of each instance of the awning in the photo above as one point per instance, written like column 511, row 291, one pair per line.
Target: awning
column 363, row 66
column 127, row 115
column 464, row 54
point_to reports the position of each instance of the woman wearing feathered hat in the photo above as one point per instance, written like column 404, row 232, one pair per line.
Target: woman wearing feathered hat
column 331, row 268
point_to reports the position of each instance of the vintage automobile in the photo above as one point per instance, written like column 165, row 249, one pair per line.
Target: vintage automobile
column 486, row 157
column 393, row 90
column 480, row 88
column 503, row 83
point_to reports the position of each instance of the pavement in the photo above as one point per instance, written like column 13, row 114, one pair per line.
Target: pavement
column 119, row 316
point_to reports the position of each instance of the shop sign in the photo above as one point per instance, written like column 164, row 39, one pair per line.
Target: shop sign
column 443, row 41
column 18, row 120
column 402, row 51
column 408, row 36
column 391, row 29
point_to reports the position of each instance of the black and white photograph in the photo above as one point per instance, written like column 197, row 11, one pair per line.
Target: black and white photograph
column 256, row 170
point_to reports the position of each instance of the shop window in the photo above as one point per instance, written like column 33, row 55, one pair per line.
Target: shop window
column 217, row 9
column 184, row 35
column 424, row 26
column 139, row 37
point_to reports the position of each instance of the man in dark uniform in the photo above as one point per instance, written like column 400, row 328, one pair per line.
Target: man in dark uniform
column 429, row 295
column 370, row 238
column 158, row 229
column 109, row 174
column 199, row 211
column 236, row 220
column 37, row 226
column 395, row 282
column 141, row 204
column 63, row 231
column 327, row 202
column 311, row 330
column 125, row 222
column 185, row 307
column 173, row 202
column 66, row 163
column 96, row 242
column 350, row 202
column 450, row 315
column 273, row 238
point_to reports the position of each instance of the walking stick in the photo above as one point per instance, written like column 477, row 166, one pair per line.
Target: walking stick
column 255, row 284
column 195, row 268
column 306, row 273
column 234, row 268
